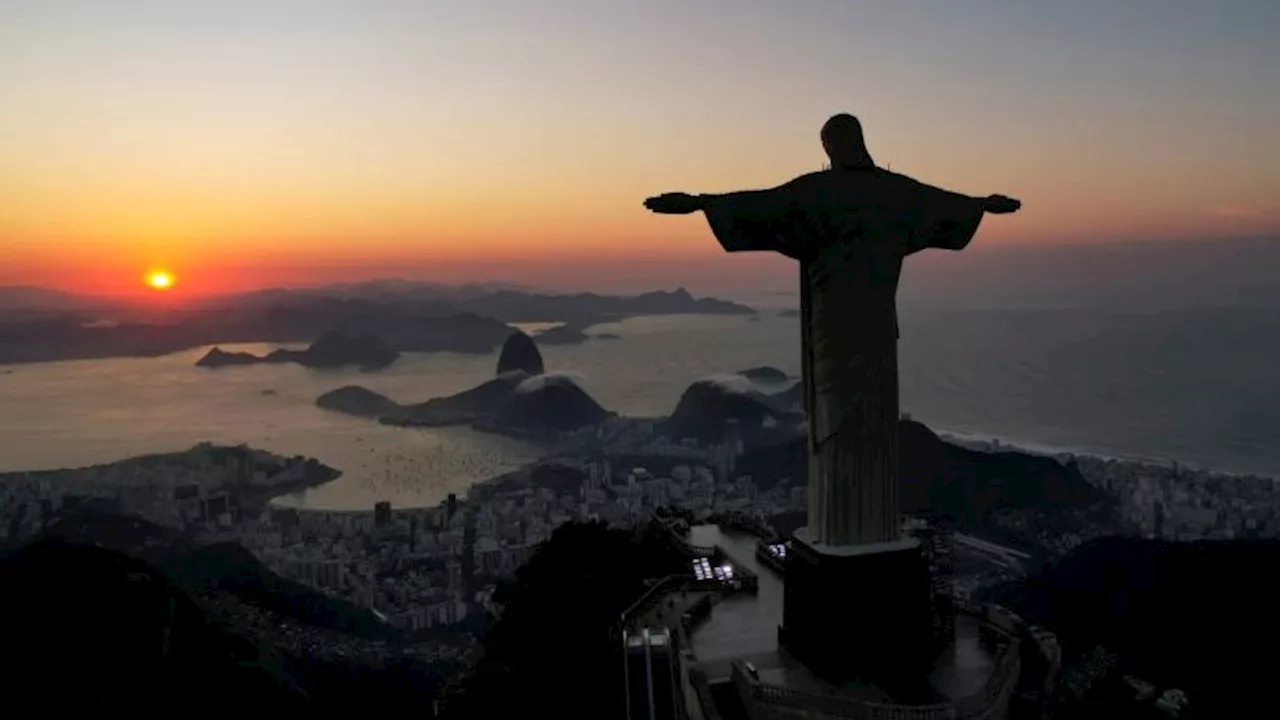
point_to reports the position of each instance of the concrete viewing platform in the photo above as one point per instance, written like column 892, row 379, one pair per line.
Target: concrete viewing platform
column 744, row 628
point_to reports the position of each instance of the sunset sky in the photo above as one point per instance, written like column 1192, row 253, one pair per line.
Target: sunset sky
column 243, row 143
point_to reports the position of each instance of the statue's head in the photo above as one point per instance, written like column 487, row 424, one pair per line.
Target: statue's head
column 842, row 139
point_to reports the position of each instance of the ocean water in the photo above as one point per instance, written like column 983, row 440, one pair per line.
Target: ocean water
column 1196, row 386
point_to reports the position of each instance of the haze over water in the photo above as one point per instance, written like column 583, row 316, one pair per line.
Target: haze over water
column 1047, row 351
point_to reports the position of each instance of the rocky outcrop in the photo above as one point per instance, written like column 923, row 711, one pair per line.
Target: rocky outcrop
column 520, row 354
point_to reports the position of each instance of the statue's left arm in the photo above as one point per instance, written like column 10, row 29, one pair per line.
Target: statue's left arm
column 944, row 220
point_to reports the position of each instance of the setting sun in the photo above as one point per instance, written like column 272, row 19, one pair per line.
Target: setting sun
column 159, row 280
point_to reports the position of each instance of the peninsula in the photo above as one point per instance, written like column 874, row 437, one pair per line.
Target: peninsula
column 331, row 350
column 521, row 400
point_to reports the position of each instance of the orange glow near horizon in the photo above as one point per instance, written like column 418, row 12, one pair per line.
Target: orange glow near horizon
column 255, row 144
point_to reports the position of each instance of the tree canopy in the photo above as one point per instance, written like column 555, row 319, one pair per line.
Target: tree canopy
column 553, row 650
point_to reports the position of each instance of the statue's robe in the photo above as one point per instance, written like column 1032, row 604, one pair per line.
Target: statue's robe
column 850, row 229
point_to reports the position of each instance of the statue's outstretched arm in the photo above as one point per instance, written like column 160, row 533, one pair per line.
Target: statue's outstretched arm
column 747, row 220
column 947, row 220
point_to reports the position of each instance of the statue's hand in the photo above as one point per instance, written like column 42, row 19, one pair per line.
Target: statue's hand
column 674, row 203
column 1001, row 205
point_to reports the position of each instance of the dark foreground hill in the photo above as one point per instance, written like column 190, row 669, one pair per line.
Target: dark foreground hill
column 1198, row 616
column 87, row 629
column 553, row 651
column 135, row 617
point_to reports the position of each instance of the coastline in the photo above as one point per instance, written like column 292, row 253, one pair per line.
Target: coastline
column 319, row 474
column 155, row 472
column 990, row 443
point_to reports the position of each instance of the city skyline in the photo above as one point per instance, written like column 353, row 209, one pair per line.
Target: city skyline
column 242, row 145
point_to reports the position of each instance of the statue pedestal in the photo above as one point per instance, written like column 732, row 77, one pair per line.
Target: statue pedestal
column 858, row 611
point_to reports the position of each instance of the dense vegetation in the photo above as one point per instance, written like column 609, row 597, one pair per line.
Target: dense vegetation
column 1198, row 616
column 554, row 651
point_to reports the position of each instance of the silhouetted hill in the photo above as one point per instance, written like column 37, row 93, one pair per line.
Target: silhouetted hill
column 225, row 567
column 764, row 373
column 403, row 329
column 355, row 400
column 972, row 488
column 510, row 403
column 707, row 405
column 486, row 400
column 27, row 301
column 552, row 401
column 584, row 309
column 89, row 629
column 331, row 350
column 409, row 317
column 89, row 602
column 230, row 568
column 520, row 353
column 217, row 357
column 971, row 485
column 1199, row 616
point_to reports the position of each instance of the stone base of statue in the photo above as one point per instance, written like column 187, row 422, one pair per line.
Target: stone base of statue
column 859, row 612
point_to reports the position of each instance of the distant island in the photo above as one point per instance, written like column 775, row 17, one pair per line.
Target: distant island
column 409, row 317
column 331, row 350
column 524, row 398
column 521, row 400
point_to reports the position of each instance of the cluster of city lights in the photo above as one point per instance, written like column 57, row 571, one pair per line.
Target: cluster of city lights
column 778, row 550
column 702, row 570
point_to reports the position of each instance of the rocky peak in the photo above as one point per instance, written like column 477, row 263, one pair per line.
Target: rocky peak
column 520, row 353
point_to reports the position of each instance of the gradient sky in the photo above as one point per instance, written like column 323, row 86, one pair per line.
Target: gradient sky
column 252, row 142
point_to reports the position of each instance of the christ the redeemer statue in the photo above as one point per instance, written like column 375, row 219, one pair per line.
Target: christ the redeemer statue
column 850, row 228
column 857, row 594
